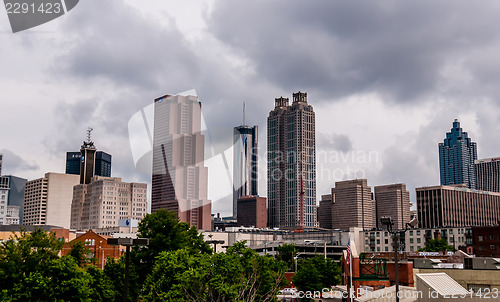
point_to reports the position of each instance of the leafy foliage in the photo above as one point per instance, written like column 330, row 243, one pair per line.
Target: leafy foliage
column 316, row 273
column 240, row 274
column 437, row 245
column 286, row 253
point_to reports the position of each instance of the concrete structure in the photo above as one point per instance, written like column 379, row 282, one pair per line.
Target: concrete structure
column 16, row 193
column 12, row 216
column 4, row 195
column 487, row 174
column 440, row 287
column 47, row 200
column 291, row 166
column 456, row 206
column 415, row 239
column 393, row 201
column 245, row 169
column 457, row 154
column 470, row 279
column 252, row 211
column 102, row 163
column 353, row 205
column 486, row 241
column 105, row 200
column 180, row 178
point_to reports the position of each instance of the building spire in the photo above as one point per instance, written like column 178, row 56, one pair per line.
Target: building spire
column 89, row 135
column 243, row 113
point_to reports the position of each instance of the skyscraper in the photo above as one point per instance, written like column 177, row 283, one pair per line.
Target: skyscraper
column 47, row 200
column 393, row 201
column 353, row 205
column 488, row 174
column 456, row 158
column 102, row 163
column 16, row 193
column 291, row 166
column 180, row 178
column 1, row 158
column 245, row 163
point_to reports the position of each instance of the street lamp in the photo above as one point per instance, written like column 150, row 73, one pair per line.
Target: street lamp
column 127, row 242
column 389, row 223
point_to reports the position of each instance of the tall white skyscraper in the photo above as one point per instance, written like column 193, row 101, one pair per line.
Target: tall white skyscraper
column 180, row 178
column 291, row 166
column 245, row 167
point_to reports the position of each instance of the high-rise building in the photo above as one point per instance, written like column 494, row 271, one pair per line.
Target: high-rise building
column 4, row 194
column 394, row 201
column 180, row 178
column 1, row 159
column 245, row 170
column 102, row 163
column 353, row 205
column 47, row 200
column 325, row 212
column 252, row 211
column 291, row 166
column 87, row 162
column 16, row 194
column 456, row 158
column 456, row 206
column 105, row 200
column 488, row 174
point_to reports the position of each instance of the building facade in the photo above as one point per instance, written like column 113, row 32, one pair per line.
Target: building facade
column 4, row 199
column 180, row 178
column 353, row 205
column 252, row 211
column 245, row 169
column 325, row 213
column 291, row 166
column 102, row 163
column 457, row 154
column 456, row 206
column 16, row 193
column 47, row 200
column 106, row 200
column 486, row 241
column 487, row 174
column 393, row 201
column 1, row 160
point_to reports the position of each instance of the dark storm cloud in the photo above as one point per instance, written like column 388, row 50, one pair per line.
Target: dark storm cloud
column 395, row 48
column 114, row 42
column 13, row 164
column 334, row 142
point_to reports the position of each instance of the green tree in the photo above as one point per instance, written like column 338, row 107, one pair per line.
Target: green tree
column 286, row 253
column 79, row 251
column 240, row 274
column 26, row 253
column 437, row 245
column 316, row 273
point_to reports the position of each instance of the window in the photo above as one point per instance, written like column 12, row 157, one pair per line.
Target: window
column 492, row 247
column 480, row 238
column 411, row 233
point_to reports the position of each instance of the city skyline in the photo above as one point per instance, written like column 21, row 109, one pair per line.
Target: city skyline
column 381, row 82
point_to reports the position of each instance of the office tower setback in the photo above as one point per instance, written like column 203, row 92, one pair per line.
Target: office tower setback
column 47, row 200
column 353, row 205
column 394, row 201
column 180, row 178
column 252, row 211
column 456, row 206
column 325, row 212
column 456, row 158
column 16, row 194
column 488, row 174
column 105, row 200
column 102, row 163
column 245, row 171
column 291, row 167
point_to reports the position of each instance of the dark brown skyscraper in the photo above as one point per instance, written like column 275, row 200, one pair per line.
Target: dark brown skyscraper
column 87, row 168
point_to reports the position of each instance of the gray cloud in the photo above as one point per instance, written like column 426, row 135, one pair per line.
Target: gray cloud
column 13, row 164
column 336, row 142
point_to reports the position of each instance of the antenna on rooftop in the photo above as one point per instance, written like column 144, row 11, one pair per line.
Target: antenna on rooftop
column 243, row 113
column 89, row 135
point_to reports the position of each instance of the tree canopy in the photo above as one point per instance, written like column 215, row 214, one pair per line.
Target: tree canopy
column 437, row 245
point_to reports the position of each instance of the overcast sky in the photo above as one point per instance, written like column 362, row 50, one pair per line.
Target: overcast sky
column 386, row 79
